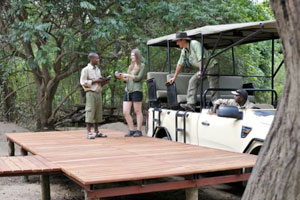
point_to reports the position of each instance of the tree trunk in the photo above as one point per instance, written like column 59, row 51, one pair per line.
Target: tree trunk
column 46, row 97
column 112, row 88
column 82, row 96
column 276, row 174
column 9, row 103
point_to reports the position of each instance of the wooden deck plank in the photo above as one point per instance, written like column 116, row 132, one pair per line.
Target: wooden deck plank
column 13, row 167
column 116, row 158
column 17, row 161
column 46, row 163
column 3, row 166
column 27, row 162
column 26, row 165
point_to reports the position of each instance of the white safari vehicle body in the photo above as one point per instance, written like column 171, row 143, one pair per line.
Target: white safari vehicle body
column 239, row 135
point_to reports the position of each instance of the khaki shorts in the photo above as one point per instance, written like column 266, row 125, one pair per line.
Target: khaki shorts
column 93, row 107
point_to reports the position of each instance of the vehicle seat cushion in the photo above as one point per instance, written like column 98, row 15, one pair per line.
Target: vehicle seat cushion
column 161, row 93
column 235, row 82
column 182, row 82
column 160, row 78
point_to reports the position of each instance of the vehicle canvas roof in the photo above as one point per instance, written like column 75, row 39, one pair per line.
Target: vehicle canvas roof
column 231, row 33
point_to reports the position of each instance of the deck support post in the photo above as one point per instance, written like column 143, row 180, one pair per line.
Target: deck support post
column 24, row 153
column 11, row 148
column 86, row 196
column 191, row 193
column 45, row 187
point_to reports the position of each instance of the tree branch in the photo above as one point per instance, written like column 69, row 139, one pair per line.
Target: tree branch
column 69, row 72
column 106, row 8
column 69, row 63
column 15, row 91
column 62, row 102
column 28, row 49
column 66, row 53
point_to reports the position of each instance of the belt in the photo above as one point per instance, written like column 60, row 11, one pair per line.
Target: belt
column 90, row 91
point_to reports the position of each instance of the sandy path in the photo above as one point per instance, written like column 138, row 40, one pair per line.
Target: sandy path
column 14, row 188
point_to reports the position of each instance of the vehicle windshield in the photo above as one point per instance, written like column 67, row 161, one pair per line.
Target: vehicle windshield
column 264, row 113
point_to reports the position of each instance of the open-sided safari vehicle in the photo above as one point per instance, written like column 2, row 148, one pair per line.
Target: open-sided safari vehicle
column 230, row 129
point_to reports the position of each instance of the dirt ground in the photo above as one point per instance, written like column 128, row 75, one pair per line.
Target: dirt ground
column 15, row 188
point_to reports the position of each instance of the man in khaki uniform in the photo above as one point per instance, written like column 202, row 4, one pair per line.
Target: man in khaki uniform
column 191, row 55
column 92, row 83
column 240, row 100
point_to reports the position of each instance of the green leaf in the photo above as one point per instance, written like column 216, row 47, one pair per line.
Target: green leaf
column 87, row 5
column 43, row 27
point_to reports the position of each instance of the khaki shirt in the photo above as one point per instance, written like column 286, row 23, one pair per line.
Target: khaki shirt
column 193, row 53
column 232, row 102
column 89, row 74
column 136, row 84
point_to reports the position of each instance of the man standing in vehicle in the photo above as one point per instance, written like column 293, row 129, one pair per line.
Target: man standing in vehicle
column 92, row 83
column 240, row 100
column 191, row 56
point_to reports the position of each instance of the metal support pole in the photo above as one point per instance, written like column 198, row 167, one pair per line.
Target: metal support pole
column 233, row 61
column 176, row 126
column 272, row 80
column 184, row 127
column 11, row 148
column 169, row 57
column 148, row 58
column 202, row 68
column 24, row 153
column 212, row 53
column 45, row 187
column 277, row 70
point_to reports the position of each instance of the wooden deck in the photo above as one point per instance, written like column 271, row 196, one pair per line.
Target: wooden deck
column 22, row 165
column 117, row 159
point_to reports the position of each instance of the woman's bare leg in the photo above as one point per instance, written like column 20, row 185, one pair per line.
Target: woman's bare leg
column 139, row 114
column 126, row 111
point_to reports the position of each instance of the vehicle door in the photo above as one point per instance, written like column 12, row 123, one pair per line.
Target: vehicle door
column 219, row 132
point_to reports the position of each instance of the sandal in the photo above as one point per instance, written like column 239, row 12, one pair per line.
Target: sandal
column 90, row 136
column 100, row 135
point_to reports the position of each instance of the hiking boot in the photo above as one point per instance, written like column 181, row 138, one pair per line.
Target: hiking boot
column 129, row 133
column 137, row 133
column 188, row 107
column 100, row 135
column 90, row 136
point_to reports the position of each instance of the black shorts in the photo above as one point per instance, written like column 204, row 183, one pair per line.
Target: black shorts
column 133, row 96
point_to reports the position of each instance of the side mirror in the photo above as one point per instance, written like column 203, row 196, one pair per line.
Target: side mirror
column 230, row 112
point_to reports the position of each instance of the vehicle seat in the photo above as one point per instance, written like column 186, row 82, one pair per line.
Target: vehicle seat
column 182, row 83
column 232, row 82
column 157, row 89
column 235, row 82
